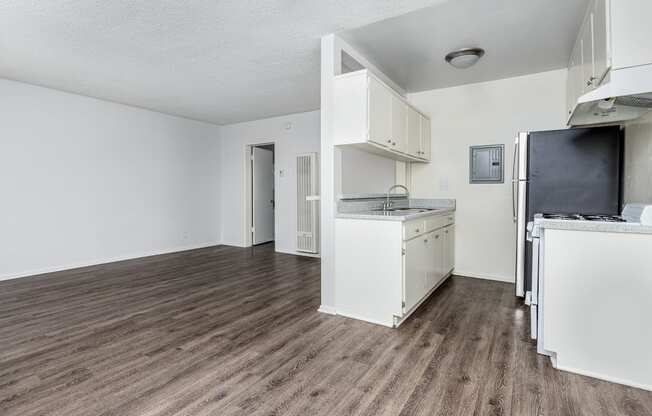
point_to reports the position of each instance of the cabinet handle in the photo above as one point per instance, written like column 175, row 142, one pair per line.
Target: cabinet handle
column 425, row 241
column 417, row 230
column 389, row 141
column 437, row 236
column 393, row 143
column 590, row 81
column 446, row 231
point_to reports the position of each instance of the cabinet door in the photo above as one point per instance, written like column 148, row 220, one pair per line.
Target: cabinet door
column 571, row 83
column 414, row 133
column 449, row 249
column 601, row 53
column 438, row 255
column 399, row 124
column 416, row 259
column 380, row 113
column 586, row 44
column 425, row 138
column 431, row 264
column 575, row 82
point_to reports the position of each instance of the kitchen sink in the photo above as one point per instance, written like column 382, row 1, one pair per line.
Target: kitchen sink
column 404, row 210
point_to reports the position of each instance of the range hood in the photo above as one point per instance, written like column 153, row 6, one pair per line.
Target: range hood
column 625, row 94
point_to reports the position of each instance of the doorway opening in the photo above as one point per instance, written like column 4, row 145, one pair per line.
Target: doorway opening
column 260, row 228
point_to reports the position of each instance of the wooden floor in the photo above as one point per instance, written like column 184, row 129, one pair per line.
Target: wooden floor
column 228, row 331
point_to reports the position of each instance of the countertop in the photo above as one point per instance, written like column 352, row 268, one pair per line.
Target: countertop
column 599, row 226
column 392, row 216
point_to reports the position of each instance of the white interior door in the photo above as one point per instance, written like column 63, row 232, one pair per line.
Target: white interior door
column 262, row 174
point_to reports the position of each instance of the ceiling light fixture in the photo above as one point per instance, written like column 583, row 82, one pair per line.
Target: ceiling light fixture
column 464, row 58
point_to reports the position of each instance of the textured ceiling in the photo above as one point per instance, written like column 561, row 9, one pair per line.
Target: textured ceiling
column 520, row 37
column 220, row 61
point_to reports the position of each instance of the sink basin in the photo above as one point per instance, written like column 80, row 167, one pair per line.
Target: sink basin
column 404, row 210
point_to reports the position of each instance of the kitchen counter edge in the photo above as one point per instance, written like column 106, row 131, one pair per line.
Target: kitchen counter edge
column 598, row 226
column 370, row 215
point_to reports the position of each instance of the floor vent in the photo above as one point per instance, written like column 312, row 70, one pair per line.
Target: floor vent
column 307, row 203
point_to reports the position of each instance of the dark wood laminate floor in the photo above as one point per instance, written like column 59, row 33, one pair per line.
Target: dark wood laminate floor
column 228, row 331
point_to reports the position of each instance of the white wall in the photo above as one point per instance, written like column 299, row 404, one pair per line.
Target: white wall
column 364, row 172
column 638, row 160
column 485, row 113
column 86, row 181
column 303, row 137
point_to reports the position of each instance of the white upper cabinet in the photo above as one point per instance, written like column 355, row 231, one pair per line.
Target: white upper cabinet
column 380, row 113
column 413, row 133
column 418, row 135
column 425, row 138
column 399, row 124
column 614, row 34
column 630, row 28
column 601, row 47
column 371, row 116
column 586, row 46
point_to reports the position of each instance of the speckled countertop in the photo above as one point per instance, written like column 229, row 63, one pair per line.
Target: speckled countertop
column 369, row 207
column 599, row 226
column 393, row 216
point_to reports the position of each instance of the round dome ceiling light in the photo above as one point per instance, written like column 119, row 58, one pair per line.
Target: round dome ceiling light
column 464, row 58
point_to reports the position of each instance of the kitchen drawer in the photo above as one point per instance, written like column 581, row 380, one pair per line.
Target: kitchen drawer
column 413, row 228
column 438, row 221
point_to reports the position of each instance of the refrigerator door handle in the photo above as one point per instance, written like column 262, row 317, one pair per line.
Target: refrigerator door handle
column 514, row 180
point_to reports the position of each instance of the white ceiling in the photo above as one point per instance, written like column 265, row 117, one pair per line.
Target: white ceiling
column 220, row 61
column 519, row 36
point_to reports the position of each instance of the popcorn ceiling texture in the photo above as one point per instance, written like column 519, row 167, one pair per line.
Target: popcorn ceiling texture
column 217, row 61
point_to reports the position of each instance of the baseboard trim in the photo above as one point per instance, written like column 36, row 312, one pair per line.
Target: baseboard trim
column 296, row 253
column 484, row 276
column 330, row 310
column 346, row 314
column 98, row 262
column 234, row 244
column 605, row 378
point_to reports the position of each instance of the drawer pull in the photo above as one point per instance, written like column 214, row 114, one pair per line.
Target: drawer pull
column 417, row 230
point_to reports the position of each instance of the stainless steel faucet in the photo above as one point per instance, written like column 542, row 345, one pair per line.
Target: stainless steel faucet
column 388, row 204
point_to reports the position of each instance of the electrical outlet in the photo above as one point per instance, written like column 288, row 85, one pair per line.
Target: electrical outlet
column 443, row 184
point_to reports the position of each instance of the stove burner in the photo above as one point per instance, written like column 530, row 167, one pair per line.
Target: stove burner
column 582, row 217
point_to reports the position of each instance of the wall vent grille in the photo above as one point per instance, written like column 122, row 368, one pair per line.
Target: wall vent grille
column 307, row 203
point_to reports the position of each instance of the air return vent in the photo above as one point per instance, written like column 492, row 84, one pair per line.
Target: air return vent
column 307, row 203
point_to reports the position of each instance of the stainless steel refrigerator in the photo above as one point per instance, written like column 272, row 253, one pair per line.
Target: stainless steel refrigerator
column 573, row 171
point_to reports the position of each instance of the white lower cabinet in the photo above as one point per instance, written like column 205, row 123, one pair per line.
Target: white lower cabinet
column 385, row 269
column 448, row 256
column 417, row 265
column 429, row 258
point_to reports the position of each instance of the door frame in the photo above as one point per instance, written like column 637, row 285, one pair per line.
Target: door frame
column 247, row 190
